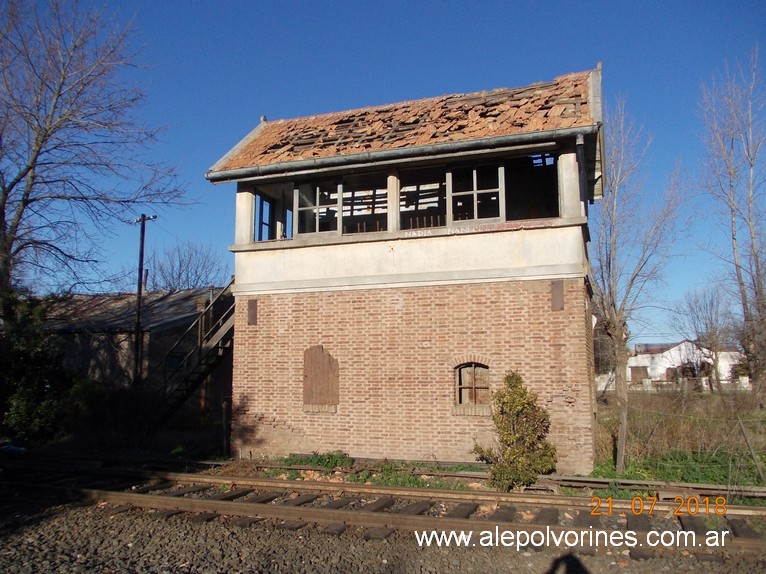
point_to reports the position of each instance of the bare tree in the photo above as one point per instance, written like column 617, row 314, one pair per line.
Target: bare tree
column 633, row 234
column 71, row 149
column 733, row 107
column 187, row 265
column 704, row 317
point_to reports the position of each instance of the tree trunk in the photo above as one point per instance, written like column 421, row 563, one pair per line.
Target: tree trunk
column 7, row 302
column 621, row 389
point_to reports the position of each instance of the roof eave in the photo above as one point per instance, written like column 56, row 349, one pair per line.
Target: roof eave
column 391, row 155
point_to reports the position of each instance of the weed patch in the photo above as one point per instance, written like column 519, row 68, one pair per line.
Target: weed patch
column 328, row 461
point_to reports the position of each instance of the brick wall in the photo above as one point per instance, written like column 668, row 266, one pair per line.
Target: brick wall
column 396, row 350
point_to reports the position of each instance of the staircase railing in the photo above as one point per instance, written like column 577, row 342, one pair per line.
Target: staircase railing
column 208, row 338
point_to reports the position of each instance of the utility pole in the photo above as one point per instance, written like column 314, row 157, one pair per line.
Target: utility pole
column 138, row 350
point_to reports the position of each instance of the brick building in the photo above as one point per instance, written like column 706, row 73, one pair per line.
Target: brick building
column 393, row 263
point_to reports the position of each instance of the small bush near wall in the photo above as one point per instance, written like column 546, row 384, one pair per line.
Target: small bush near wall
column 522, row 451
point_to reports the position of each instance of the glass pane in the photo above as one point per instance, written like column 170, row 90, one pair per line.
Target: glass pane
column 264, row 231
column 487, row 177
column 328, row 219
column 462, row 207
column 307, row 221
column 258, row 208
column 481, row 375
column 489, row 204
column 306, row 195
column 288, row 228
column 482, row 396
column 328, row 193
column 462, row 180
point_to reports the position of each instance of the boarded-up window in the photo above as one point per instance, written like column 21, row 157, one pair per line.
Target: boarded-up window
column 472, row 384
column 639, row 373
column 252, row 312
column 320, row 377
column 557, row 295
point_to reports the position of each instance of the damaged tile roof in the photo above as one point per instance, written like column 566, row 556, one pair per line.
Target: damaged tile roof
column 566, row 102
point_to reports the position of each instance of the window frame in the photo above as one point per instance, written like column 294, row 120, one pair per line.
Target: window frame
column 546, row 159
column 316, row 207
column 372, row 190
column 259, row 223
column 393, row 203
column 472, row 389
column 474, row 192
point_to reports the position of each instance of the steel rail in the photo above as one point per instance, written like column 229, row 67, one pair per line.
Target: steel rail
column 587, row 482
column 362, row 518
column 341, row 488
column 333, row 515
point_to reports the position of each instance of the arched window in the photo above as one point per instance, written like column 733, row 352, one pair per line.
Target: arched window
column 472, row 384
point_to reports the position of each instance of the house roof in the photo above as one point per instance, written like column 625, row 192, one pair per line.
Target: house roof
column 660, row 348
column 569, row 102
column 117, row 311
column 656, row 348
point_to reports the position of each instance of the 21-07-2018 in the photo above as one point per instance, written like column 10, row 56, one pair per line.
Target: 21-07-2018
column 684, row 505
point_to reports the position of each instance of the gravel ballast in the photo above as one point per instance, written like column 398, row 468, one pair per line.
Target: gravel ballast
column 88, row 538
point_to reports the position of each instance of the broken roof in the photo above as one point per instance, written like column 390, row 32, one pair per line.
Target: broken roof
column 569, row 103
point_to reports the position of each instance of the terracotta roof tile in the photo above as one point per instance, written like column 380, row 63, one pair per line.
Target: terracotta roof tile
column 563, row 103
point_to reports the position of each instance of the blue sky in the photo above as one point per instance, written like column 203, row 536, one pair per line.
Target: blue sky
column 210, row 69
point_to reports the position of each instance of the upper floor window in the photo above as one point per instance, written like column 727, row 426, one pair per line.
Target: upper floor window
column 531, row 187
column 317, row 206
column 365, row 203
column 475, row 192
column 423, row 198
column 518, row 187
column 272, row 215
column 264, row 218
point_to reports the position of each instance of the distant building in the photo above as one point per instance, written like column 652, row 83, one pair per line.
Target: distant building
column 673, row 362
column 98, row 337
column 393, row 263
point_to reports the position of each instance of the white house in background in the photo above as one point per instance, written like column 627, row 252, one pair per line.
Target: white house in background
column 669, row 362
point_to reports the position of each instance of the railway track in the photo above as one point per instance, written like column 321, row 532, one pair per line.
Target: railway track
column 376, row 512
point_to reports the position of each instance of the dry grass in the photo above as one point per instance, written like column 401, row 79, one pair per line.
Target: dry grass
column 669, row 423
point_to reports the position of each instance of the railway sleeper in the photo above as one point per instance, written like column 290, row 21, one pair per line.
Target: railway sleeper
column 246, row 521
column 741, row 529
column 548, row 516
column 504, row 513
column 584, row 519
column 164, row 485
column 263, row 498
column 693, row 524
column 300, row 500
column 297, row 501
column 188, row 490
column 222, row 496
column 340, row 528
column 462, row 510
column 414, row 509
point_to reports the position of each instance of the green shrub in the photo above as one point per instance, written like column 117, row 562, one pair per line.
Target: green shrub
column 522, row 451
column 328, row 460
column 33, row 384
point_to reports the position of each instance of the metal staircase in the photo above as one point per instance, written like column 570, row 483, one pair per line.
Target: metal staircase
column 194, row 356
